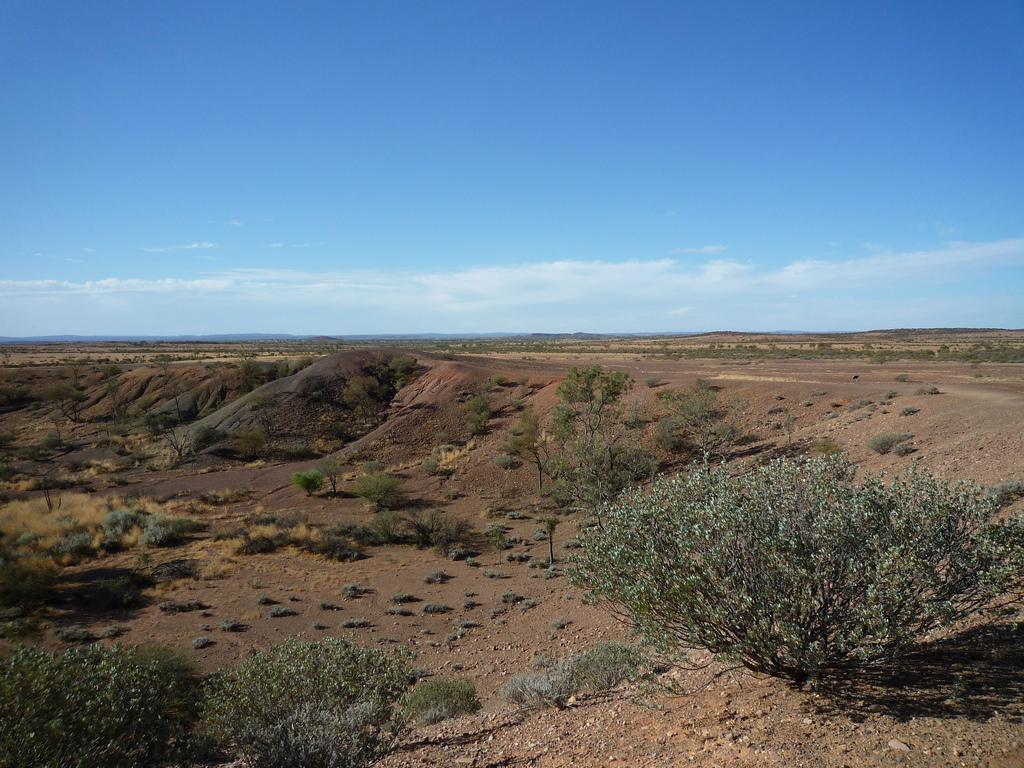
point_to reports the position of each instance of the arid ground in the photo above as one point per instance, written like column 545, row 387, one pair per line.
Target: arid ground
column 957, row 700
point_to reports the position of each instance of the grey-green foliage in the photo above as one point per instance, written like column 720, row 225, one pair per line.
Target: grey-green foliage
column 84, row 708
column 325, row 704
column 437, row 700
column 792, row 569
column 602, row 668
column 163, row 531
column 120, row 522
column 885, row 442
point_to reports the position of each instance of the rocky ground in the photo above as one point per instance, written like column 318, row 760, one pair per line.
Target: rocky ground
column 959, row 702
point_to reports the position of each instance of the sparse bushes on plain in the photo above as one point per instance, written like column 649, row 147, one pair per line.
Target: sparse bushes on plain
column 792, row 569
column 435, row 700
column 325, row 704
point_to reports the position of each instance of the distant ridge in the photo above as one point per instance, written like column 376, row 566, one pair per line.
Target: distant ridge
column 322, row 338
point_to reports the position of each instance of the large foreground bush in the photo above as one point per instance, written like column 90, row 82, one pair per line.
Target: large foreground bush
column 85, row 708
column 326, row 704
column 793, row 568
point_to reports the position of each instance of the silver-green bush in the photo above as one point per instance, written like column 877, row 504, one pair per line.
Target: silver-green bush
column 792, row 569
column 437, row 700
column 84, row 708
column 325, row 704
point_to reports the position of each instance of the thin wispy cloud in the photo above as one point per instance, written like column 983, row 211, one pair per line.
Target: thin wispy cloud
column 890, row 290
column 237, row 223
column 710, row 250
column 89, row 250
column 189, row 247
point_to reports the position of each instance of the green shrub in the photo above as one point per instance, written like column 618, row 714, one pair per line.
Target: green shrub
column 437, row 608
column 26, row 583
column 387, row 526
column 335, row 545
column 91, row 707
column 180, row 606
column 606, row 665
column 430, row 466
column 792, row 569
column 908, row 410
column 324, row 704
column 310, row 482
column 437, row 700
column 380, row 489
column 884, row 442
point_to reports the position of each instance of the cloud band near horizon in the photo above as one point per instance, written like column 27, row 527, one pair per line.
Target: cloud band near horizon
column 919, row 289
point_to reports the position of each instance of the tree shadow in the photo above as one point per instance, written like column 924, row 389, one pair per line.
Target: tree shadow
column 973, row 675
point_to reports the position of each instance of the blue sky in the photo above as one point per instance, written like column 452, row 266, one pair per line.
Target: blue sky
column 463, row 167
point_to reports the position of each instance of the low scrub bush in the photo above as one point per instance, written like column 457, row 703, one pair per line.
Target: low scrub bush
column 180, row 606
column 534, row 691
column 437, row 700
column 885, row 442
column 437, row 608
column 437, row 577
column 325, row 704
column 334, row 546
column 1005, row 492
column 908, row 410
column 353, row 590
column 606, row 665
column 27, row 583
column 792, row 569
column 163, row 531
column 380, row 489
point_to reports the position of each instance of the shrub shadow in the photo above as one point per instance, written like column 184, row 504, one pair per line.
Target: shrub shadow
column 975, row 675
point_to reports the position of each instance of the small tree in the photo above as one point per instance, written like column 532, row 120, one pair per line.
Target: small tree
column 712, row 424
column 250, row 441
column 66, row 398
column 530, row 443
column 550, row 524
column 596, row 459
column 331, row 470
column 310, row 482
column 478, row 412
column 792, row 569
